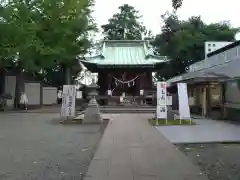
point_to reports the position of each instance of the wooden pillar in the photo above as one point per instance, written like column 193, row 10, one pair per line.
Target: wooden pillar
column 204, row 101
column 150, row 80
column 109, row 81
column 142, row 81
column 223, row 109
column 142, row 86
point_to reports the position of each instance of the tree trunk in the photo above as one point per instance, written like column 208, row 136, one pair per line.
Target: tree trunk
column 19, row 86
column 2, row 81
column 68, row 76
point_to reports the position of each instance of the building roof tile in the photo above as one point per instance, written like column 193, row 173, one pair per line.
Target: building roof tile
column 125, row 53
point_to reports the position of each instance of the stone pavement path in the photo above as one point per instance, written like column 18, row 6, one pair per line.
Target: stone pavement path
column 131, row 149
column 44, row 109
column 33, row 147
column 206, row 131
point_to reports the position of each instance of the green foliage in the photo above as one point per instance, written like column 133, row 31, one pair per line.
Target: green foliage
column 176, row 4
column 18, row 34
column 124, row 25
column 176, row 122
column 183, row 41
column 39, row 36
column 64, row 29
column 56, row 76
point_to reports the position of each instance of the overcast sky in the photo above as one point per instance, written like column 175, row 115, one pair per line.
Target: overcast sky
column 209, row 10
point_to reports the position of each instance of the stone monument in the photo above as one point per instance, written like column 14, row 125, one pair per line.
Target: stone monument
column 92, row 114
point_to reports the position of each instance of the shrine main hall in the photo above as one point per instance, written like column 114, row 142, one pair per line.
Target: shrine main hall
column 124, row 70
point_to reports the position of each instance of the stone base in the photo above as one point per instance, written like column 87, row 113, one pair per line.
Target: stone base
column 92, row 114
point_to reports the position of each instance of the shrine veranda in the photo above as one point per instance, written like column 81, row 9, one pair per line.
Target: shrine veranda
column 124, row 70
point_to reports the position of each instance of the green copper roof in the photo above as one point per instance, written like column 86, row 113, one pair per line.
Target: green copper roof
column 125, row 53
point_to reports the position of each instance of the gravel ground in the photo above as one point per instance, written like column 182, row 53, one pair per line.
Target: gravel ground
column 217, row 161
column 34, row 148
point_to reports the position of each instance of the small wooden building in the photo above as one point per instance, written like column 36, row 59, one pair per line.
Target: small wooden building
column 213, row 85
column 124, row 68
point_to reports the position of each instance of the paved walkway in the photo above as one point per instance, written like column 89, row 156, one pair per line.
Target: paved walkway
column 205, row 131
column 44, row 109
column 133, row 150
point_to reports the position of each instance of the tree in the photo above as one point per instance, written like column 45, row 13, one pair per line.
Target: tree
column 20, row 44
column 56, row 76
column 42, row 35
column 176, row 4
column 183, row 41
column 124, row 25
column 65, row 30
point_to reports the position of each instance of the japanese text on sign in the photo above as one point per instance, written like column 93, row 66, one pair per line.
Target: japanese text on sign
column 68, row 103
column 161, row 100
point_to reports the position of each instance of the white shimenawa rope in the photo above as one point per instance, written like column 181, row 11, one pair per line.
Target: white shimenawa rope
column 126, row 82
column 123, row 82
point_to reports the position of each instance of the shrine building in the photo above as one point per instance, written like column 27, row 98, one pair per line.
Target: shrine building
column 124, row 69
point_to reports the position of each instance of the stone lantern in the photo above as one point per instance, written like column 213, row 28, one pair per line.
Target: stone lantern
column 92, row 114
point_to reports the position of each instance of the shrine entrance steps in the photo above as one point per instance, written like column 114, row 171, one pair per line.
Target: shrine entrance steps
column 116, row 109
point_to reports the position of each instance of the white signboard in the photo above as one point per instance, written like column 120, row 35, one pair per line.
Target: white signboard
column 141, row 92
column 161, row 93
column 161, row 112
column 64, row 102
column 161, row 100
column 68, row 101
column 191, row 101
column 184, row 110
column 169, row 100
column 79, row 94
column 109, row 92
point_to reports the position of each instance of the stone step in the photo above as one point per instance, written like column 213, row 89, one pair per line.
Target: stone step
column 125, row 110
column 128, row 107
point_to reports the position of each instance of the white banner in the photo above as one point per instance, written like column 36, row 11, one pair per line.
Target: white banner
column 161, row 92
column 169, row 100
column 161, row 100
column 184, row 110
column 68, row 101
column 161, row 112
column 64, row 102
